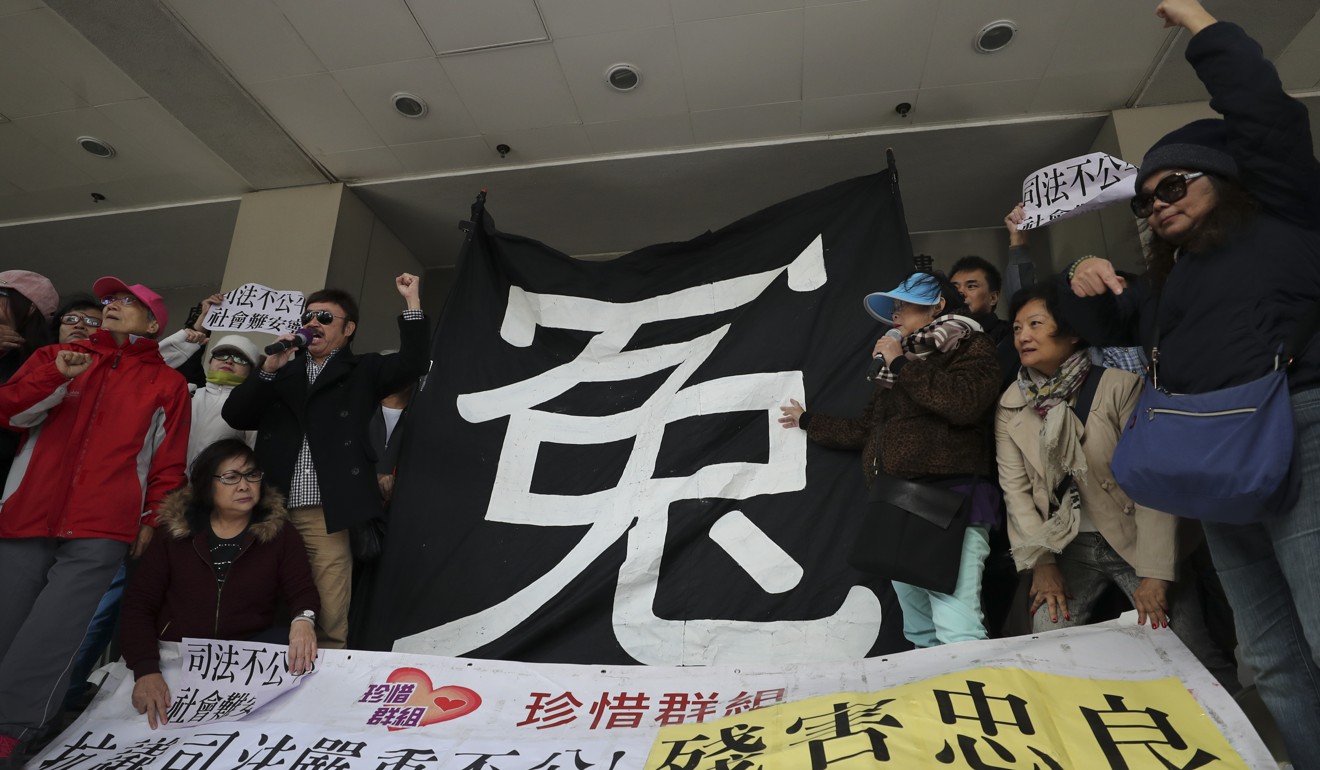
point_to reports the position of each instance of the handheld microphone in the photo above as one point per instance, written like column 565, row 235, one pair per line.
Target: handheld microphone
column 301, row 339
column 878, row 362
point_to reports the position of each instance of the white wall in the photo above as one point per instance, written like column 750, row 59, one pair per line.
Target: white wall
column 365, row 260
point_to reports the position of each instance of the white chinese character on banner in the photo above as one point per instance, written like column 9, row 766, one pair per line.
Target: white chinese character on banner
column 638, row 506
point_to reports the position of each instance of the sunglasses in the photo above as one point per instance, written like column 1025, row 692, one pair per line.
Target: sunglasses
column 125, row 300
column 324, row 316
column 73, row 319
column 231, row 478
column 1171, row 189
column 233, row 358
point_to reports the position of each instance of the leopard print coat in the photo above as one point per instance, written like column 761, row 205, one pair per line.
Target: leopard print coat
column 934, row 421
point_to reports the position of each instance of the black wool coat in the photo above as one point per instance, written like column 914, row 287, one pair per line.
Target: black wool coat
column 333, row 414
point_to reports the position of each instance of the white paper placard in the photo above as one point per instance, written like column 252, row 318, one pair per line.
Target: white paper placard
column 256, row 308
column 1074, row 187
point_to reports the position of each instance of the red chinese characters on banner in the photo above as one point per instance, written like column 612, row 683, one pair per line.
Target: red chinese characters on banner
column 407, row 698
column 609, row 711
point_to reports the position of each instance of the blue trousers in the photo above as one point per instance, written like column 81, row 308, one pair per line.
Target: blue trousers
column 1271, row 575
column 931, row 618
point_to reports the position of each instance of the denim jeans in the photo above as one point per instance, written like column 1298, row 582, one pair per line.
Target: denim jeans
column 1089, row 565
column 1271, row 574
column 931, row 618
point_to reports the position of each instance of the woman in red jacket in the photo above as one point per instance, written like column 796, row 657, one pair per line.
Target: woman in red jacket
column 223, row 561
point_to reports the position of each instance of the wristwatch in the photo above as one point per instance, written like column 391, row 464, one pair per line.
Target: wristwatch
column 307, row 615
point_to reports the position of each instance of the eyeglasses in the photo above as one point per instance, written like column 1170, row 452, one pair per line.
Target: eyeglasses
column 125, row 300
column 231, row 478
column 73, row 319
column 324, row 316
column 1171, row 189
column 233, row 358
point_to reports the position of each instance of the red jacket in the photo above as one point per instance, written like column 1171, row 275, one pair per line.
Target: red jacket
column 173, row 592
column 100, row 450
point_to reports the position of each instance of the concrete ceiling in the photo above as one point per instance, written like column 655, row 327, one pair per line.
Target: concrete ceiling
column 741, row 103
column 623, row 204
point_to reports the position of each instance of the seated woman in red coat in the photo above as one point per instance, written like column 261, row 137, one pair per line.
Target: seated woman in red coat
column 224, row 558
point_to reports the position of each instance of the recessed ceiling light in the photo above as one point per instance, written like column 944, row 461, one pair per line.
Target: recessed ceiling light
column 622, row 77
column 96, row 147
column 995, row 36
column 408, row 105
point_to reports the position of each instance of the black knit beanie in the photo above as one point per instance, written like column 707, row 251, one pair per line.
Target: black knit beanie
column 1201, row 145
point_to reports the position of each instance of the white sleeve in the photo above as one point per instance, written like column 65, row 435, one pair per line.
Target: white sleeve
column 176, row 349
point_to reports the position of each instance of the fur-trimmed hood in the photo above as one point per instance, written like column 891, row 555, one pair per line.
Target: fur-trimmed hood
column 172, row 517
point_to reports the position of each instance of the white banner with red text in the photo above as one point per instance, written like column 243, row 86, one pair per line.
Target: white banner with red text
column 1115, row 695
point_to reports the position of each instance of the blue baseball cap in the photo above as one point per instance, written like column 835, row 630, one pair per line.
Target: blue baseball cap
column 917, row 289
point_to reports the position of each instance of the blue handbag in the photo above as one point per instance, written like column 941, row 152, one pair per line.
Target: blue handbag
column 1222, row 456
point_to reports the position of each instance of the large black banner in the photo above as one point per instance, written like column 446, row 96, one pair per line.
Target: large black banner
column 594, row 472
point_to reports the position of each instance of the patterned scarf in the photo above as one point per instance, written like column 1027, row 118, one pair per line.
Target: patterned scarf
column 943, row 334
column 1045, row 393
column 1061, row 455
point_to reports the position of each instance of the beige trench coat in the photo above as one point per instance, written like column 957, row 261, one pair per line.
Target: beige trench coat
column 1145, row 538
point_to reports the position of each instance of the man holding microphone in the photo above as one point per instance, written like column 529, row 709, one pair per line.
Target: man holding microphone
column 310, row 411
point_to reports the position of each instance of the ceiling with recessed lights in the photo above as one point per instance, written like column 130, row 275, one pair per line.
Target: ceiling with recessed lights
column 737, row 103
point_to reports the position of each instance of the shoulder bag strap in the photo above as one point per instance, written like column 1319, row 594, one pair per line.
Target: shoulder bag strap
column 1082, row 408
column 1086, row 394
column 1153, row 368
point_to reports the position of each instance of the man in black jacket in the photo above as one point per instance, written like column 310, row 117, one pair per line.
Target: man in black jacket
column 979, row 283
column 311, row 413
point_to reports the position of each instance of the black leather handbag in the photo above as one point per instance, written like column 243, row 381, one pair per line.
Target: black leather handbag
column 367, row 539
column 913, row 533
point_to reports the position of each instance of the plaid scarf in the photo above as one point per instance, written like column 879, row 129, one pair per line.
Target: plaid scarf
column 1045, row 393
column 942, row 335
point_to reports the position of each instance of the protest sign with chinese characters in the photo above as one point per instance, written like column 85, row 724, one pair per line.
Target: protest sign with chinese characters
column 1074, row 187
column 978, row 718
column 228, row 681
column 256, row 308
column 1111, row 696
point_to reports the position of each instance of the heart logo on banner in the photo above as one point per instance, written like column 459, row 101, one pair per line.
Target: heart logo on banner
column 442, row 703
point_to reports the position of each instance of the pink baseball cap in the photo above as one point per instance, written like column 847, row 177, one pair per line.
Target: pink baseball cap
column 112, row 285
column 36, row 287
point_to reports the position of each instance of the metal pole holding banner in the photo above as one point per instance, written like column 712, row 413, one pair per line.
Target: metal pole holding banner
column 906, row 238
